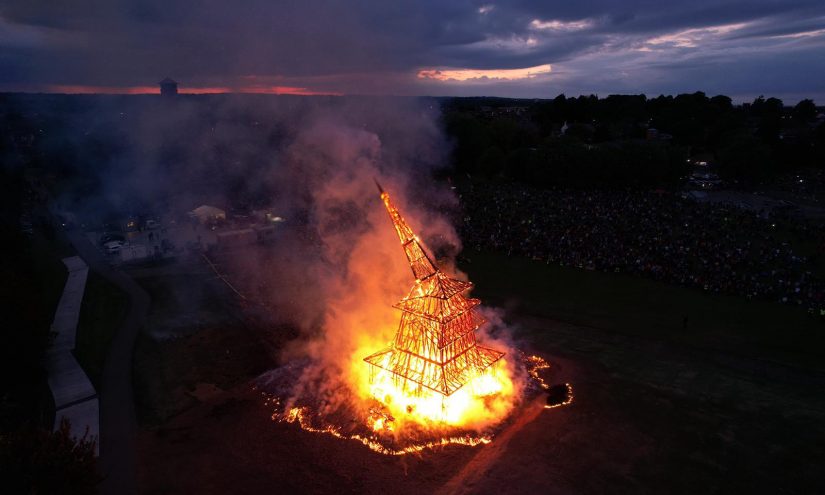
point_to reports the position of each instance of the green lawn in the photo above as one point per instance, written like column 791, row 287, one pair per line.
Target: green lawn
column 195, row 334
column 49, row 272
column 101, row 314
column 635, row 306
column 34, row 278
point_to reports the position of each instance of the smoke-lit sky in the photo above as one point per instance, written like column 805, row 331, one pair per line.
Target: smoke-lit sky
column 522, row 48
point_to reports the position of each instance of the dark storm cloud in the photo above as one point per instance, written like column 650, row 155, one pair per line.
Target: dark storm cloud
column 363, row 47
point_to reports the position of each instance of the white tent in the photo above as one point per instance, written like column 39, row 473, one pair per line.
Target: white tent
column 206, row 213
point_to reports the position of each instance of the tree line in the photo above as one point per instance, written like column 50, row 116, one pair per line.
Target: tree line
column 631, row 140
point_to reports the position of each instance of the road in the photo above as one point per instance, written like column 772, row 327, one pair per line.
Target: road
column 118, row 424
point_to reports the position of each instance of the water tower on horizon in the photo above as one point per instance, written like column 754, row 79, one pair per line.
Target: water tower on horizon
column 168, row 87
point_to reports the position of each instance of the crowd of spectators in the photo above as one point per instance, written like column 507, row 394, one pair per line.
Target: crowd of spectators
column 807, row 185
column 660, row 235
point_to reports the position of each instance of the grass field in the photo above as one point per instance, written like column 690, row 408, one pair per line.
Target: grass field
column 196, row 340
column 101, row 314
column 630, row 305
column 36, row 290
column 731, row 404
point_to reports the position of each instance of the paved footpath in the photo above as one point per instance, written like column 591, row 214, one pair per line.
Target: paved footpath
column 74, row 396
column 118, row 424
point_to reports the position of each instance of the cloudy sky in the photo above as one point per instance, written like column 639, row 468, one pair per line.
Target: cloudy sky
column 526, row 48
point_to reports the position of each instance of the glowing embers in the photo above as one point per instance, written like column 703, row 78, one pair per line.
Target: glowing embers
column 434, row 353
column 376, row 427
column 301, row 416
column 557, row 395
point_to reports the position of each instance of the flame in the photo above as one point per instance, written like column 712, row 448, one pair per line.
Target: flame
column 299, row 415
column 433, row 373
column 486, row 398
column 535, row 364
column 381, row 424
column 569, row 399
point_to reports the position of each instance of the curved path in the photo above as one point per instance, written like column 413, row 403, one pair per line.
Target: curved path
column 74, row 396
column 467, row 480
column 118, row 425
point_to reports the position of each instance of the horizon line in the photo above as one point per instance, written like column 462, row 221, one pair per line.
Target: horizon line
column 69, row 90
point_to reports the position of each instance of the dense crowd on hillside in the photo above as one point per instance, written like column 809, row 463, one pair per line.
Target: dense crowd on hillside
column 659, row 235
column 807, row 185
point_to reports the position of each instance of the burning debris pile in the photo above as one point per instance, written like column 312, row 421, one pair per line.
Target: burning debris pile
column 434, row 385
column 374, row 429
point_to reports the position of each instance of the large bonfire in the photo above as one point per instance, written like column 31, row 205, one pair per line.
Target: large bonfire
column 433, row 385
column 434, row 371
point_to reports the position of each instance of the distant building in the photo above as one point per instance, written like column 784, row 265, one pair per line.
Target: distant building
column 208, row 214
column 168, row 87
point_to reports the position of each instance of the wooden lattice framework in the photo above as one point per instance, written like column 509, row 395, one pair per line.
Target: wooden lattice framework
column 435, row 346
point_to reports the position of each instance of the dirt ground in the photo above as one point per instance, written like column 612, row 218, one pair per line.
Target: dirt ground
column 647, row 418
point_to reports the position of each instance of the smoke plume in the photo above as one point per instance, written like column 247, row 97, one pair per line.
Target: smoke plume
column 337, row 267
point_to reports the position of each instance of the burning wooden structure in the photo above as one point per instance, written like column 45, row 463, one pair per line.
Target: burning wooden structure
column 435, row 347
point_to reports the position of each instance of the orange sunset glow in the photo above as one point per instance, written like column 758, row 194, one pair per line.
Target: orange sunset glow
column 147, row 90
column 480, row 74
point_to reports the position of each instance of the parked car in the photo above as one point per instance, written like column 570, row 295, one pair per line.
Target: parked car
column 113, row 247
column 109, row 237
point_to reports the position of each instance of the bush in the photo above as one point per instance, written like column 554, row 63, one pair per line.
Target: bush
column 35, row 461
